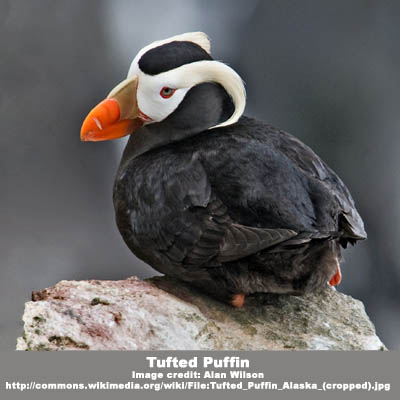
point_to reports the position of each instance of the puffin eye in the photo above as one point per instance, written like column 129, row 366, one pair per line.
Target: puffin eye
column 167, row 92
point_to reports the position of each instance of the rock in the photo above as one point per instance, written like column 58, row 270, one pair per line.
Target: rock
column 165, row 314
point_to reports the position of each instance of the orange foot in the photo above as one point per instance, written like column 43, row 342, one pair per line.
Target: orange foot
column 238, row 300
column 337, row 278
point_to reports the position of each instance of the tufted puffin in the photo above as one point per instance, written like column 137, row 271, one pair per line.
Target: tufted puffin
column 214, row 198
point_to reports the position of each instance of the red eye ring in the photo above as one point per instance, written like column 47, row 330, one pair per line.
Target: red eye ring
column 167, row 92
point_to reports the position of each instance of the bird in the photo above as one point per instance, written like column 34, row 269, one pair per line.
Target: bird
column 214, row 198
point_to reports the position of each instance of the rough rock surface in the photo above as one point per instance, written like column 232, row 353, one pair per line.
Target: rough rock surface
column 164, row 314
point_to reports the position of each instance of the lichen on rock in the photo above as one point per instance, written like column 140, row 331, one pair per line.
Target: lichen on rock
column 165, row 314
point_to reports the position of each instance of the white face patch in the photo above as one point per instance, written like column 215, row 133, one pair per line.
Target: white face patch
column 149, row 97
column 182, row 79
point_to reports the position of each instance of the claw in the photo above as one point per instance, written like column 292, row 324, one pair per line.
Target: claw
column 238, row 300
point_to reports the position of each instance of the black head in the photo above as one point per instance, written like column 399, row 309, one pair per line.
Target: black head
column 174, row 88
column 170, row 56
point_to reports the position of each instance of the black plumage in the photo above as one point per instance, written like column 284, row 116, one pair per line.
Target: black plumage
column 226, row 203
column 238, row 209
column 170, row 56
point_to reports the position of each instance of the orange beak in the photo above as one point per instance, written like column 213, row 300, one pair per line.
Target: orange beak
column 116, row 116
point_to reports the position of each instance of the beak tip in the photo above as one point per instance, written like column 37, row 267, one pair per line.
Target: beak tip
column 101, row 119
column 83, row 136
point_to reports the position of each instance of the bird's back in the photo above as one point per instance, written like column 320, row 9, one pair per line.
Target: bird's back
column 247, row 203
column 269, row 179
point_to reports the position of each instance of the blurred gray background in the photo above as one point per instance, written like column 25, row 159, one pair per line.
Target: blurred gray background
column 328, row 72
